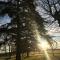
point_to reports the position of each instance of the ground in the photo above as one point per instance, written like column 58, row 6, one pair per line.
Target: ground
column 37, row 56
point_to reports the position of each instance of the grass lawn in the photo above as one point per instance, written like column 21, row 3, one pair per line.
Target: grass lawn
column 36, row 57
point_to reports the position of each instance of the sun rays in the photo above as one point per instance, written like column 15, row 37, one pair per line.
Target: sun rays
column 41, row 44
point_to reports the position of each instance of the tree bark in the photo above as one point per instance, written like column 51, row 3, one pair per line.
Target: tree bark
column 27, row 53
column 18, row 41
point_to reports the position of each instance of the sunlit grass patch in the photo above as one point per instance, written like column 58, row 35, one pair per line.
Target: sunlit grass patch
column 35, row 58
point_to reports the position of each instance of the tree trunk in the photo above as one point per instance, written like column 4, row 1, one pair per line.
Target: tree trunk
column 27, row 53
column 9, row 52
column 18, row 41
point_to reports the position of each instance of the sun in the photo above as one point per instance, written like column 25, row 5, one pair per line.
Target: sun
column 43, row 45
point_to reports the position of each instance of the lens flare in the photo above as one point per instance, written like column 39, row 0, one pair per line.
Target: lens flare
column 41, row 43
column 47, row 55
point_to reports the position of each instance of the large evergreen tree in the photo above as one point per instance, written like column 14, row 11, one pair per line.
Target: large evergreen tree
column 23, row 14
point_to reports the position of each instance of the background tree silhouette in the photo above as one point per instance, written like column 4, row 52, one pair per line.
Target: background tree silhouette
column 51, row 8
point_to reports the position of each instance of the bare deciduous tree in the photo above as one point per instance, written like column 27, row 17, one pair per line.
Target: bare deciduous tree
column 51, row 8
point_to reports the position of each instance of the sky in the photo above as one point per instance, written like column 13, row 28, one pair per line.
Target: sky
column 53, row 29
column 4, row 19
column 4, row 0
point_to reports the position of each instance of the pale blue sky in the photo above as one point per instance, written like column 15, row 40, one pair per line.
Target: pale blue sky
column 4, row 19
